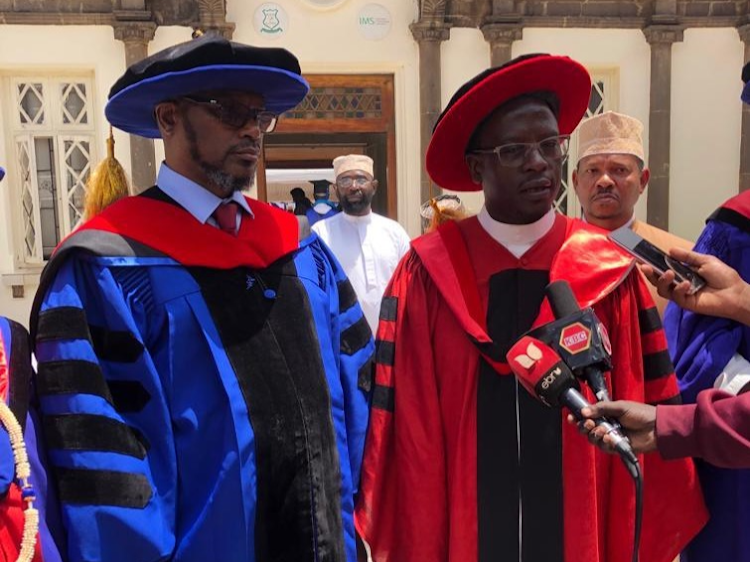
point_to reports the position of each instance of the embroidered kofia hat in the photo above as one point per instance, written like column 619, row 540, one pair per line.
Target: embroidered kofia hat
column 209, row 62
column 483, row 94
column 350, row 162
column 610, row 133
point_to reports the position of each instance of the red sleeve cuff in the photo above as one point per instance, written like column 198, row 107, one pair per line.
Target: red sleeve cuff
column 675, row 431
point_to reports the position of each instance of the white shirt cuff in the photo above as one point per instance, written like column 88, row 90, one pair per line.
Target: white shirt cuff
column 735, row 375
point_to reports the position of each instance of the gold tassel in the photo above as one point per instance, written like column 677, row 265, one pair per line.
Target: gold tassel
column 443, row 213
column 106, row 184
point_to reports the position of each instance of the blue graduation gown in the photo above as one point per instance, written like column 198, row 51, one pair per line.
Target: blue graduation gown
column 313, row 216
column 701, row 346
column 195, row 411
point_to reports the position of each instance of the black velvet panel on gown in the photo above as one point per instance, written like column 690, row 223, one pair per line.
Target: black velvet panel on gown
column 275, row 354
column 519, row 472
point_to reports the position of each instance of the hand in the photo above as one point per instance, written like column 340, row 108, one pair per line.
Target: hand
column 637, row 420
column 725, row 293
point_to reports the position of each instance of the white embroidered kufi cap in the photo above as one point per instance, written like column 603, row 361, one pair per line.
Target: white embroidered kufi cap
column 350, row 162
column 610, row 133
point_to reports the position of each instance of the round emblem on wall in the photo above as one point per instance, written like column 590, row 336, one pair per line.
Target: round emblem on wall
column 325, row 3
column 374, row 22
column 270, row 20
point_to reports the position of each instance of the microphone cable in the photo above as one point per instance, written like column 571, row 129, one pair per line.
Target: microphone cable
column 630, row 460
column 634, row 468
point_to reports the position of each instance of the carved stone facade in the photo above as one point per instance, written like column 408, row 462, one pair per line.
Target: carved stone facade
column 432, row 9
column 501, row 36
column 457, row 13
column 592, row 13
column 195, row 13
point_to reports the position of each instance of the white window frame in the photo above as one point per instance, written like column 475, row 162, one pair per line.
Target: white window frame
column 27, row 258
column 610, row 78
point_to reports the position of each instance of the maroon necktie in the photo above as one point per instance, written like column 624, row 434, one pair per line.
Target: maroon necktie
column 225, row 216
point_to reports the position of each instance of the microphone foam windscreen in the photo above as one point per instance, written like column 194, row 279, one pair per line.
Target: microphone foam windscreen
column 561, row 299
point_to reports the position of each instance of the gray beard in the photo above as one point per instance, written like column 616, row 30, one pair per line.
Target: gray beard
column 226, row 183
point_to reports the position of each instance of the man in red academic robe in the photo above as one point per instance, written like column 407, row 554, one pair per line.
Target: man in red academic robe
column 461, row 464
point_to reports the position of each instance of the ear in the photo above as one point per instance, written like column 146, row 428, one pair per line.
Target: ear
column 575, row 179
column 166, row 115
column 374, row 184
column 645, row 175
column 475, row 164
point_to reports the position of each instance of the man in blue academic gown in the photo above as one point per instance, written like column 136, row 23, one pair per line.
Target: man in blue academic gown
column 322, row 207
column 203, row 377
column 711, row 352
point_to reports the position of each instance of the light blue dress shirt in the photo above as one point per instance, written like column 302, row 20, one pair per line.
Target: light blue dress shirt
column 196, row 199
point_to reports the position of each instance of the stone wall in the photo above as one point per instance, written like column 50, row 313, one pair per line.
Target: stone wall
column 98, row 12
column 595, row 13
column 458, row 13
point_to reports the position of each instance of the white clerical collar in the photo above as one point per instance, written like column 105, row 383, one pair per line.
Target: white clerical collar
column 517, row 238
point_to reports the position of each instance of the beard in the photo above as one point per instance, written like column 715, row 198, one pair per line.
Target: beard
column 357, row 207
column 226, row 183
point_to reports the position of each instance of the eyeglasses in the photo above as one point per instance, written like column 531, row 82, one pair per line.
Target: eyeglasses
column 515, row 154
column 347, row 181
column 236, row 115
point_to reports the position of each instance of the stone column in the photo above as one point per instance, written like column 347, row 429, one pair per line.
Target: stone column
column 500, row 36
column 660, row 37
column 744, row 32
column 226, row 30
column 429, row 36
column 136, row 36
column 212, row 18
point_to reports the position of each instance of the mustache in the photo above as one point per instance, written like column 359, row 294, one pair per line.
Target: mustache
column 246, row 144
column 608, row 192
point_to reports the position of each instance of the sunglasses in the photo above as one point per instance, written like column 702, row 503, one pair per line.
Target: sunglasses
column 236, row 115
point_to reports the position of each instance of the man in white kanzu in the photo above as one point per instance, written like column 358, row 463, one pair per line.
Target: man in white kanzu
column 368, row 245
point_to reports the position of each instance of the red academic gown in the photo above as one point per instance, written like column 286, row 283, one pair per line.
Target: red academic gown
column 442, row 469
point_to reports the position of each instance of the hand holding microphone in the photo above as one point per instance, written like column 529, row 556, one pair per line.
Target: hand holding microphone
column 542, row 372
column 638, row 422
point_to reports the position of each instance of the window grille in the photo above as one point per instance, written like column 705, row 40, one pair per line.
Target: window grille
column 603, row 98
column 53, row 135
column 339, row 103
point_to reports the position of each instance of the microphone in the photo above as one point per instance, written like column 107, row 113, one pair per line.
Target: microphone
column 543, row 373
column 579, row 337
